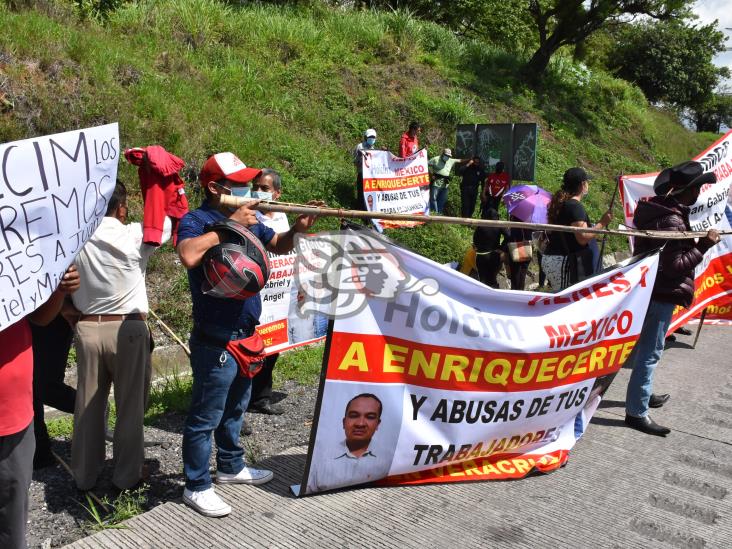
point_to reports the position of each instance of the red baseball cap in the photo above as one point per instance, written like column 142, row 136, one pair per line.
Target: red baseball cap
column 226, row 165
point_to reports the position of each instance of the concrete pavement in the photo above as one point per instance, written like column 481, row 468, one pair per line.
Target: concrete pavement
column 620, row 489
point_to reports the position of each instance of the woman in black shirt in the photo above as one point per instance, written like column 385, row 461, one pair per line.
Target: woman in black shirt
column 568, row 257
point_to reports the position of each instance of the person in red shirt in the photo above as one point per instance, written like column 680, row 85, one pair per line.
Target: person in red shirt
column 17, row 441
column 495, row 187
column 409, row 143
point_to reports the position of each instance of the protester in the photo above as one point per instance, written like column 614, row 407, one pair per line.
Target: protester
column 220, row 394
column 268, row 186
column 676, row 189
column 490, row 250
column 113, row 346
column 359, row 152
column 409, row 143
column 51, row 345
column 17, row 443
column 518, row 268
column 495, row 187
column 568, row 258
column 473, row 178
column 440, row 168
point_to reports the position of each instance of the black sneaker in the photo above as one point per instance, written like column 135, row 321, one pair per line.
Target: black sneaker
column 267, row 409
column 683, row 331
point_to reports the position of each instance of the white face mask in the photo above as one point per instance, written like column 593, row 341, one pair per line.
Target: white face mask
column 243, row 192
column 262, row 195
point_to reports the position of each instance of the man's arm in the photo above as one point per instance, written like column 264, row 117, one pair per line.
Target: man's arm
column 282, row 243
column 48, row 311
column 192, row 250
column 675, row 261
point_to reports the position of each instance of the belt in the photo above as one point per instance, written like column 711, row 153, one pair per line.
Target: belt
column 114, row 318
column 209, row 339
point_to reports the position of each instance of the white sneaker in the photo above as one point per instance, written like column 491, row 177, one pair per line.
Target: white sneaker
column 248, row 475
column 206, row 502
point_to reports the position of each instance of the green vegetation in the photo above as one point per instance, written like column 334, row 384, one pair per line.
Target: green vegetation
column 301, row 365
column 293, row 87
column 128, row 504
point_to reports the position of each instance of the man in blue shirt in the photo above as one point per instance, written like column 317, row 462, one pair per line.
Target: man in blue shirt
column 220, row 395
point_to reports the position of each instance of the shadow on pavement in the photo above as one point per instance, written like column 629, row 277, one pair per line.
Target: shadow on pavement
column 610, row 422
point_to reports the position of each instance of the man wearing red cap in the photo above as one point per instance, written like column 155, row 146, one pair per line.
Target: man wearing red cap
column 220, row 395
column 676, row 189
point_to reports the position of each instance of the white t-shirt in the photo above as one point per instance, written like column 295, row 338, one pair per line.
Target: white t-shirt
column 112, row 267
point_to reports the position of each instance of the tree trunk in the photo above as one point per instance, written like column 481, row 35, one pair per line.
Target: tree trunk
column 536, row 67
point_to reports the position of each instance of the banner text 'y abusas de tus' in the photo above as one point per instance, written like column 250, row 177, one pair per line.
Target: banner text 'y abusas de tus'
column 396, row 185
column 430, row 376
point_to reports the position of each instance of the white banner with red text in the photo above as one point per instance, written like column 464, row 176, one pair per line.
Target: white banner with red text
column 53, row 194
column 713, row 210
column 396, row 185
column 430, row 376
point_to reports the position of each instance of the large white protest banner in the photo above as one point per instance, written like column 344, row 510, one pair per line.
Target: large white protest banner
column 430, row 376
column 280, row 324
column 396, row 185
column 712, row 210
column 53, row 194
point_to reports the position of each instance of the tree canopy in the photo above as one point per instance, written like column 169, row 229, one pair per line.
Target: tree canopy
column 671, row 61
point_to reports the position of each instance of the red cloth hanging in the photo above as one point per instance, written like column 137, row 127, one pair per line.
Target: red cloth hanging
column 163, row 190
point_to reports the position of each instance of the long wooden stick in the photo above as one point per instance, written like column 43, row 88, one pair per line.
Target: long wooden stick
column 699, row 328
column 68, row 470
column 301, row 209
column 170, row 332
column 604, row 237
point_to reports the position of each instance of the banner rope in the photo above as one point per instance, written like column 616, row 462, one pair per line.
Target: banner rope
column 322, row 211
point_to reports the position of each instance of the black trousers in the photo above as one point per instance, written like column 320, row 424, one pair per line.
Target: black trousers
column 488, row 264
column 468, row 198
column 16, row 470
column 51, row 346
column 518, row 274
column 360, row 198
column 262, row 383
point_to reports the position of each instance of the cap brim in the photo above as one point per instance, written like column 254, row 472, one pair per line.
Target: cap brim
column 244, row 176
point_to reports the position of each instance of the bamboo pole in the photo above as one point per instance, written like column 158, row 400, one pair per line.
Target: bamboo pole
column 610, row 209
column 301, row 209
column 170, row 332
column 68, row 470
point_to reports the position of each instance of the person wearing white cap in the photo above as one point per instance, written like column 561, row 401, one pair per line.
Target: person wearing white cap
column 440, row 168
column 359, row 153
column 220, row 394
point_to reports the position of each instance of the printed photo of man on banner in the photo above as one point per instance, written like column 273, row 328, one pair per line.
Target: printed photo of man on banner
column 438, row 378
column 713, row 210
column 396, row 185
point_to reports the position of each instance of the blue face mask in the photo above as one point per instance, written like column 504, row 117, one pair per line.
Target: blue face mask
column 243, row 192
column 262, row 195
column 370, row 141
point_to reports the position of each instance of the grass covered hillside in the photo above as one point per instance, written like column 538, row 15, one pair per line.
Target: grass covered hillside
column 293, row 88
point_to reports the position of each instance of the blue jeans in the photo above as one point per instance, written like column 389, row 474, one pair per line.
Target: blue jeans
column 646, row 354
column 439, row 199
column 218, row 401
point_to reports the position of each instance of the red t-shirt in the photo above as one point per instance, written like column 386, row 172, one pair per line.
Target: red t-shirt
column 16, row 378
column 408, row 145
column 497, row 183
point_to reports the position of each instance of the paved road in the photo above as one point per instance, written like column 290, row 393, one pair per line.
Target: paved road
column 620, row 489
